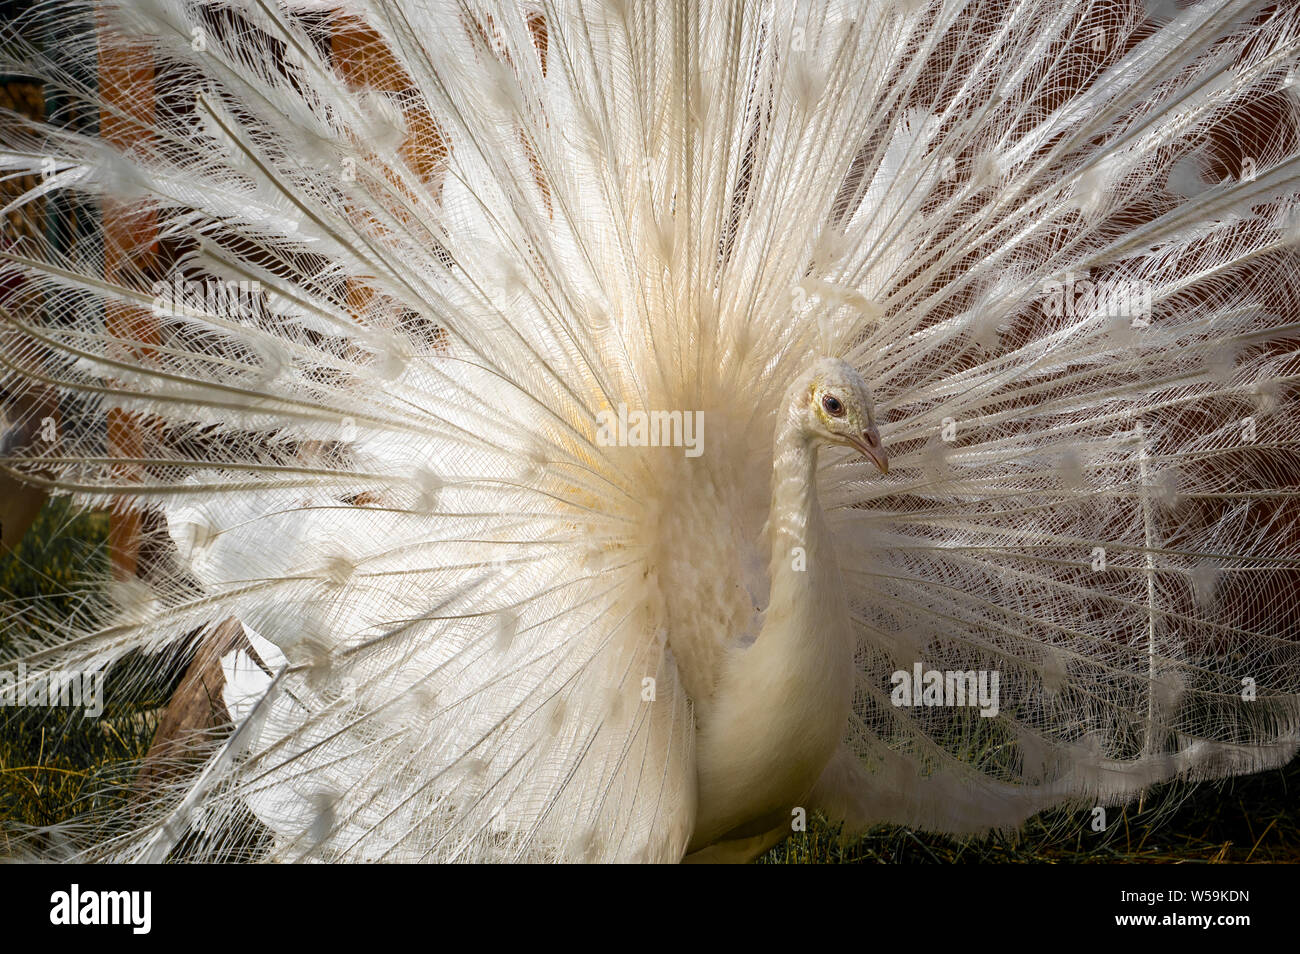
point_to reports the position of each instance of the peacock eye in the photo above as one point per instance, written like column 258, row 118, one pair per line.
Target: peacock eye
column 832, row 405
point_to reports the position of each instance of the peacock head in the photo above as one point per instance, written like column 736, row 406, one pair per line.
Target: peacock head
column 841, row 410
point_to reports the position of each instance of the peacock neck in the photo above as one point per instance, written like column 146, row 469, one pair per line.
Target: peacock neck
column 807, row 612
column 784, row 700
column 795, row 518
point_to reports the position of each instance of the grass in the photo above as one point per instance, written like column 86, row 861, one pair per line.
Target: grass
column 56, row 765
column 1249, row 819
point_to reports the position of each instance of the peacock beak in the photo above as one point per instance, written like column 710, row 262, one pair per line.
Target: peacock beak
column 871, row 448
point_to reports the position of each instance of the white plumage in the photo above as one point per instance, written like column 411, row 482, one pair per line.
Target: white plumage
column 484, row 630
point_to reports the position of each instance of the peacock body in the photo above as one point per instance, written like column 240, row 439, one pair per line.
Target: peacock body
column 542, row 456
